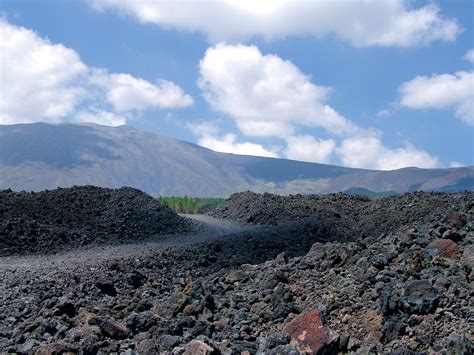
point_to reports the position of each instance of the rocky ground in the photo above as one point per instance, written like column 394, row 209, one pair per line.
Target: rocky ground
column 330, row 274
column 49, row 221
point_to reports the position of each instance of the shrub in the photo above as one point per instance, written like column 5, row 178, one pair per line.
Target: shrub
column 190, row 205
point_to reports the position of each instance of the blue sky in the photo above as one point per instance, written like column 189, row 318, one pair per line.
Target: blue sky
column 378, row 85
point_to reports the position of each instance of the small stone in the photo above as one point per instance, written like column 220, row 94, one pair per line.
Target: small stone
column 353, row 344
column 190, row 310
column 237, row 276
column 65, row 307
column 136, row 279
column 310, row 336
column 177, row 303
column 222, row 323
column 276, row 339
column 444, row 248
column 143, row 305
column 87, row 336
column 147, row 346
column 140, row 322
column 281, row 258
column 197, row 347
column 247, row 267
column 451, row 235
column 419, row 297
column 168, row 342
column 59, row 347
column 455, row 219
column 460, row 344
column 444, row 262
column 110, row 328
column 28, row 345
column 106, row 288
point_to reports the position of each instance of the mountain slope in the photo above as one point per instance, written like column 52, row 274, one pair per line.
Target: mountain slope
column 43, row 156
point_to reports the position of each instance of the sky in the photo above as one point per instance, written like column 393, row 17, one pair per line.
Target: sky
column 369, row 84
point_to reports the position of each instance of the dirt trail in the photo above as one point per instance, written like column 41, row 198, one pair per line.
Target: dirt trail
column 207, row 229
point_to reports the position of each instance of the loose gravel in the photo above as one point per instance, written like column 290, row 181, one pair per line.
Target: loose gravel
column 303, row 274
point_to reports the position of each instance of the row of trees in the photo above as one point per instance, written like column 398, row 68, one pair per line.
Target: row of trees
column 191, row 205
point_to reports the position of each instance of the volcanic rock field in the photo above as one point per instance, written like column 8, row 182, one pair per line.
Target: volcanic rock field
column 91, row 270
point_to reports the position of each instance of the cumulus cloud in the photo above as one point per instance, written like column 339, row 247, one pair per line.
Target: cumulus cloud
column 456, row 164
column 470, row 56
column 39, row 80
column 127, row 93
column 42, row 81
column 100, row 117
column 203, row 128
column 209, row 136
column 441, row 91
column 228, row 144
column 362, row 23
column 369, row 152
column 266, row 95
column 307, row 148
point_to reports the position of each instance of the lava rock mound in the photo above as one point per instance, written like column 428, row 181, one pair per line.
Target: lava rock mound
column 351, row 216
column 49, row 221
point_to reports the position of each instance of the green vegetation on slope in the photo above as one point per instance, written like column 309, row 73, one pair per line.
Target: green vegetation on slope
column 190, row 205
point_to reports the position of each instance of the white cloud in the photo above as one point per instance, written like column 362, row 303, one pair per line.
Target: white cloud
column 299, row 147
column 384, row 113
column 42, row 81
column 441, row 91
column 310, row 149
column 100, row 117
column 228, row 144
column 127, row 93
column 469, row 56
column 38, row 80
column 265, row 128
column 370, row 153
column 266, row 95
column 203, row 129
column 456, row 164
column 363, row 23
column 209, row 136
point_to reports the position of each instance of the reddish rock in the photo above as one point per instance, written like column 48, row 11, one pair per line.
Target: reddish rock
column 444, row 248
column 147, row 346
column 60, row 347
column 110, row 328
column 197, row 347
column 455, row 219
column 310, row 336
column 222, row 323
column 188, row 289
column 190, row 310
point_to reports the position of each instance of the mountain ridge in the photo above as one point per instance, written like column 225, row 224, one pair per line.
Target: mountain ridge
column 40, row 156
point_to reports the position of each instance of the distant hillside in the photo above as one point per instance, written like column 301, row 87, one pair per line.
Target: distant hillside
column 43, row 156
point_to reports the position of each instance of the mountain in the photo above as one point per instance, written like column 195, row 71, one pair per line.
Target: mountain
column 42, row 156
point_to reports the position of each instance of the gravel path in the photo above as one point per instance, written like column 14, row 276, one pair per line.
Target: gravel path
column 207, row 229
